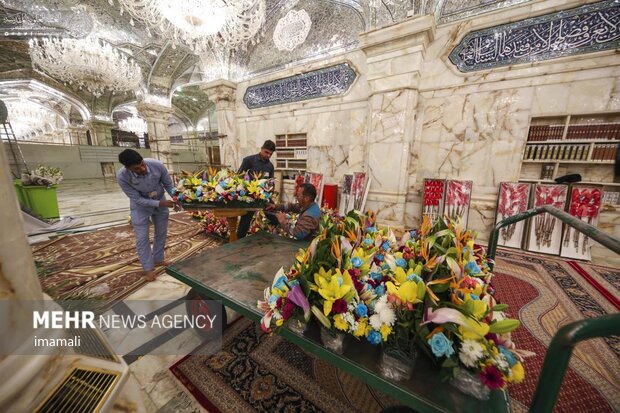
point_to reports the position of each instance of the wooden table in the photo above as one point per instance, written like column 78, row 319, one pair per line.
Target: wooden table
column 231, row 215
column 237, row 274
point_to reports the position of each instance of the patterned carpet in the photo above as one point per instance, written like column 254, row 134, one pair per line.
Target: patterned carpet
column 545, row 294
column 104, row 265
column 256, row 372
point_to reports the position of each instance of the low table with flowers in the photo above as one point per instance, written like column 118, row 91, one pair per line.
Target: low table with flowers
column 227, row 194
column 414, row 318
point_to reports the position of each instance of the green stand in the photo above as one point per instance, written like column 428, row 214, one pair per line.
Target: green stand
column 42, row 200
column 19, row 190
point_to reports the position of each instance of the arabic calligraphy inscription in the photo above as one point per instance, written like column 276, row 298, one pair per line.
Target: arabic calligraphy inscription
column 585, row 29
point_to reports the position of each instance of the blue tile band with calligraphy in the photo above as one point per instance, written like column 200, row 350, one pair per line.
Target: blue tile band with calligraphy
column 585, row 29
column 328, row 81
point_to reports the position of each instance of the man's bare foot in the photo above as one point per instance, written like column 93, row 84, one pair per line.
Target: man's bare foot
column 162, row 263
column 150, row 275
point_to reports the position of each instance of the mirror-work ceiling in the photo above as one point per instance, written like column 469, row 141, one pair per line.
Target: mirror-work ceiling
column 290, row 32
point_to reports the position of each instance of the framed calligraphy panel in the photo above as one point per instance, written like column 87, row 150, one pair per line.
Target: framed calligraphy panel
column 545, row 231
column 585, row 29
column 328, row 81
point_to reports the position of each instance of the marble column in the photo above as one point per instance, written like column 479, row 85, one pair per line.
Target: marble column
column 157, row 117
column 394, row 57
column 101, row 132
column 77, row 135
column 223, row 94
column 19, row 287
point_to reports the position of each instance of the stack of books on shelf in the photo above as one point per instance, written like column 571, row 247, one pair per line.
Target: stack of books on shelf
column 604, row 152
column 557, row 152
column 540, row 133
column 603, row 131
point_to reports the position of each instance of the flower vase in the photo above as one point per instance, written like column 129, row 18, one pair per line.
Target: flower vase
column 396, row 364
column 470, row 383
column 297, row 326
column 333, row 340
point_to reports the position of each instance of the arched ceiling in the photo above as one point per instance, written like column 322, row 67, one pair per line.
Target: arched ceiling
column 335, row 26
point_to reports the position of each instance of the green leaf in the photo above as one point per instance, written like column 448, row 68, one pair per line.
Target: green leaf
column 500, row 307
column 504, row 326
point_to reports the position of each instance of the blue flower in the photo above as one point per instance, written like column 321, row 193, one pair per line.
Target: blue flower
column 357, row 262
column 380, row 290
column 280, row 283
column 401, row 262
column 198, row 191
column 414, row 277
column 242, row 192
column 361, row 310
column 374, row 337
column 385, row 245
column 223, row 184
column 474, row 297
column 376, row 276
column 440, row 345
column 510, row 358
column 380, row 257
column 413, row 233
column 385, row 267
column 472, row 268
column 371, row 230
column 368, row 241
column 273, row 298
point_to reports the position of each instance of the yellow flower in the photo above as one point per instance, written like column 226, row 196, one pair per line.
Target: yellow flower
column 385, row 331
column 518, row 374
column 362, row 328
column 339, row 322
column 253, row 187
column 408, row 292
column 478, row 308
column 474, row 330
column 279, row 322
column 332, row 287
column 400, row 276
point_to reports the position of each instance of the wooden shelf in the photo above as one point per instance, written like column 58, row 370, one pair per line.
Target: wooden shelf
column 571, row 141
column 573, row 162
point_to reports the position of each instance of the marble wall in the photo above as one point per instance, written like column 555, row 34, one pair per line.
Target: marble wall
column 412, row 115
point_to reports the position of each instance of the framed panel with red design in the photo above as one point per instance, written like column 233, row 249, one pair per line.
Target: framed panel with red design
column 584, row 203
column 458, row 196
column 513, row 199
column 433, row 197
column 316, row 180
column 544, row 230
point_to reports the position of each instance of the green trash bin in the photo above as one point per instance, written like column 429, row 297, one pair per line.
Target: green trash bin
column 19, row 190
column 42, row 200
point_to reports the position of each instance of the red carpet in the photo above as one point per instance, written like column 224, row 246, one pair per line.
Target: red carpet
column 545, row 294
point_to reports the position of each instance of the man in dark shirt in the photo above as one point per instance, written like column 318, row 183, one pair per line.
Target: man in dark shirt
column 256, row 163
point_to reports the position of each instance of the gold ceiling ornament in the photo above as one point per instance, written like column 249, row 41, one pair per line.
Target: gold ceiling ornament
column 88, row 63
column 201, row 25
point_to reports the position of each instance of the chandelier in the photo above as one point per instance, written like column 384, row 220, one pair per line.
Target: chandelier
column 134, row 124
column 88, row 63
column 201, row 25
column 27, row 117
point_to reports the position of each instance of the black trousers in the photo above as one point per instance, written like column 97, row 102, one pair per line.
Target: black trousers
column 244, row 224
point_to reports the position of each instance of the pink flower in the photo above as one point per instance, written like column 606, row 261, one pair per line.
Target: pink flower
column 492, row 378
column 288, row 309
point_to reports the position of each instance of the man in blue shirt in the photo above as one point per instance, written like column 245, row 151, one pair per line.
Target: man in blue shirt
column 144, row 182
column 256, row 163
column 307, row 225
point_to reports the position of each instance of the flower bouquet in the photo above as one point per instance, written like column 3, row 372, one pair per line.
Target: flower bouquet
column 464, row 329
column 224, row 188
column 43, row 176
column 211, row 224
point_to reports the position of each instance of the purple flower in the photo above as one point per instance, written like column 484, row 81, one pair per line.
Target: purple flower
column 297, row 297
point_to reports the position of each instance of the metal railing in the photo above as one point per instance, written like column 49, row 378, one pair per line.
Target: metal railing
column 596, row 234
column 566, row 338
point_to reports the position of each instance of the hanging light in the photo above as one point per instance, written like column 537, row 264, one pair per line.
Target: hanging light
column 201, row 24
column 88, row 63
